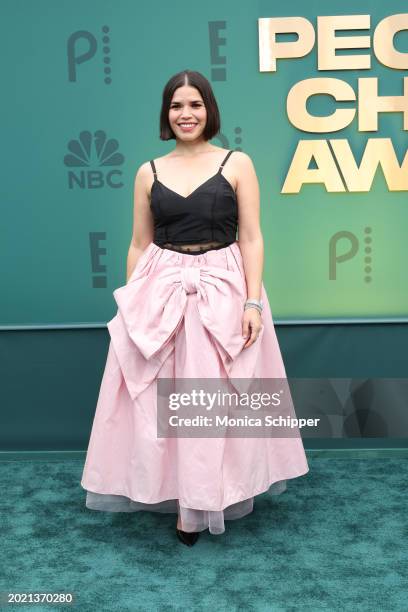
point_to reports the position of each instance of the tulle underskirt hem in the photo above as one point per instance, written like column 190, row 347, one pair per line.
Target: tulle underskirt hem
column 191, row 519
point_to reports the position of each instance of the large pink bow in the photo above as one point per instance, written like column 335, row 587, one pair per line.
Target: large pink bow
column 151, row 309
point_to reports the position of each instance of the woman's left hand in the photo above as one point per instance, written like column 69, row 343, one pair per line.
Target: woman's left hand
column 251, row 325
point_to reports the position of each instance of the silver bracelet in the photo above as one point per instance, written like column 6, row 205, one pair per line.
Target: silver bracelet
column 258, row 304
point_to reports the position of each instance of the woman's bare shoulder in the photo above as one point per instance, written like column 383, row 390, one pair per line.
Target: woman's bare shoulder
column 242, row 157
column 144, row 171
column 244, row 166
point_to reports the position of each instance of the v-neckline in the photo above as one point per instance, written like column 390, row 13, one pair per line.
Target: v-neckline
column 197, row 188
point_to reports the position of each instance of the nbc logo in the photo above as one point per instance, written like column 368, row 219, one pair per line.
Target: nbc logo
column 93, row 161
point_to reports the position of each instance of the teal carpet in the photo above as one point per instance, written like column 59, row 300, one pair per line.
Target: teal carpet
column 335, row 540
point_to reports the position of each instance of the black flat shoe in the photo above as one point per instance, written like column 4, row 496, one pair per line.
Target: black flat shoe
column 189, row 538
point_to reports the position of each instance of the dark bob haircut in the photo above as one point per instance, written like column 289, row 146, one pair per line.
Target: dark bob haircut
column 197, row 80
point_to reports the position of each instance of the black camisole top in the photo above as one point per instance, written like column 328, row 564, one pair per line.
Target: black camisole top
column 208, row 214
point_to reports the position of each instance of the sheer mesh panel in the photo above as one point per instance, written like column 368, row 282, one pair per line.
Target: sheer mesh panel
column 195, row 249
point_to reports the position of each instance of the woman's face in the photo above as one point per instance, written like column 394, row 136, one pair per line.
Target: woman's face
column 187, row 107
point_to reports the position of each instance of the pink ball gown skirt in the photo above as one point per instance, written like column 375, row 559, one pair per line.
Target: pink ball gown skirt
column 180, row 315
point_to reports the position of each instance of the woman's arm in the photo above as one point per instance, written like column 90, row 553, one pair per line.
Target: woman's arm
column 250, row 238
column 142, row 218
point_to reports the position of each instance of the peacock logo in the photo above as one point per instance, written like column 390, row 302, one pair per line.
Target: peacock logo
column 90, row 151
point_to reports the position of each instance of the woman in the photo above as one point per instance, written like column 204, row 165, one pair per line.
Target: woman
column 194, row 306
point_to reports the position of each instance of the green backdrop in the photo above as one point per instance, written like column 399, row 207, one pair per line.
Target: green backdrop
column 97, row 69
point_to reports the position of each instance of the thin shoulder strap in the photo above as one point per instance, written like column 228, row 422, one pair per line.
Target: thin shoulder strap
column 153, row 168
column 225, row 160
